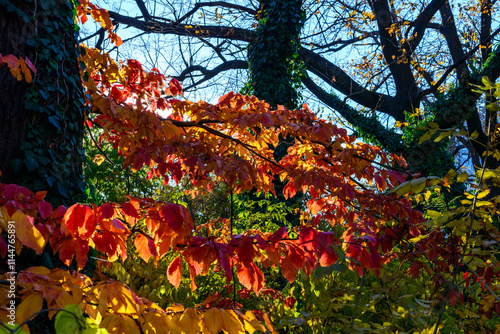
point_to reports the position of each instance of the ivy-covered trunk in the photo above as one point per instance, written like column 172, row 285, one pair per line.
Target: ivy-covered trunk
column 41, row 123
column 276, row 70
column 273, row 56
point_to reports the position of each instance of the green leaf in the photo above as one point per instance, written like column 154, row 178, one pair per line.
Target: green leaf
column 4, row 330
column 323, row 271
column 69, row 322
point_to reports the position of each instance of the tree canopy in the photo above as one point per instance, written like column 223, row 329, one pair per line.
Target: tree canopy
column 388, row 240
column 372, row 62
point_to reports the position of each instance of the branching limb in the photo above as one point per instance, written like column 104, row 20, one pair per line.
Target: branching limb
column 215, row 4
column 209, row 74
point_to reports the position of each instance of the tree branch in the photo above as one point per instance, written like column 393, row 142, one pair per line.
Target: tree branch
column 230, row 33
column 371, row 129
column 338, row 79
column 396, row 57
column 422, row 22
column 458, row 63
column 212, row 4
column 143, row 9
column 449, row 31
column 209, row 74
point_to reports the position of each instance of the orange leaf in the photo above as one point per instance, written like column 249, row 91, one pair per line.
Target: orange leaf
column 26, row 71
column 146, row 247
column 174, row 272
column 250, row 277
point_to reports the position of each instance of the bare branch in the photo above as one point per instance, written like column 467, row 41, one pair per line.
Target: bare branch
column 230, row 33
column 422, row 22
column 458, row 63
column 143, row 9
column 449, row 31
column 209, row 74
column 212, row 4
column 341, row 81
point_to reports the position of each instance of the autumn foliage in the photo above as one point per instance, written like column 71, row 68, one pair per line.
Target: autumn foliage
column 352, row 187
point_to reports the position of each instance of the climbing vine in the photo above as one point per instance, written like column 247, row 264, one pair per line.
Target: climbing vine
column 275, row 68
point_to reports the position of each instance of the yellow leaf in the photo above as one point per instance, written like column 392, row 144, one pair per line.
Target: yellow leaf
column 31, row 303
column 231, row 322
column 488, row 173
column 443, row 135
column 433, row 125
column 156, row 322
column 462, row 177
column 418, row 185
column 483, row 193
column 427, row 195
column 417, row 239
column 98, row 159
column 119, row 324
column 403, row 188
column 433, row 180
column 451, row 174
column 425, row 137
column 252, row 324
column 474, row 135
column 119, row 298
column 190, row 322
column 27, row 233
column 213, row 321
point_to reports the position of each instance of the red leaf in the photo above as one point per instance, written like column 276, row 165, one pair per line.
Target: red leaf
column 175, row 87
column 376, row 259
column 174, row 272
column 452, row 298
column 224, row 263
column 107, row 211
column 171, row 213
column 117, row 94
column 130, row 210
column 288, row 269
column 45, row 209
column 245, row 249
column 225, row 99
column 289, row 190
column 67, row 252
column 30, row 64
column 414, row 270
column 307, row 238
column 161, row 103
column 3, row 248
column 296, row 256
column 79, row 220
column 250, row 276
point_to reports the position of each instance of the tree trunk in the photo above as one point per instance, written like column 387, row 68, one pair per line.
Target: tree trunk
column 41, row 127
